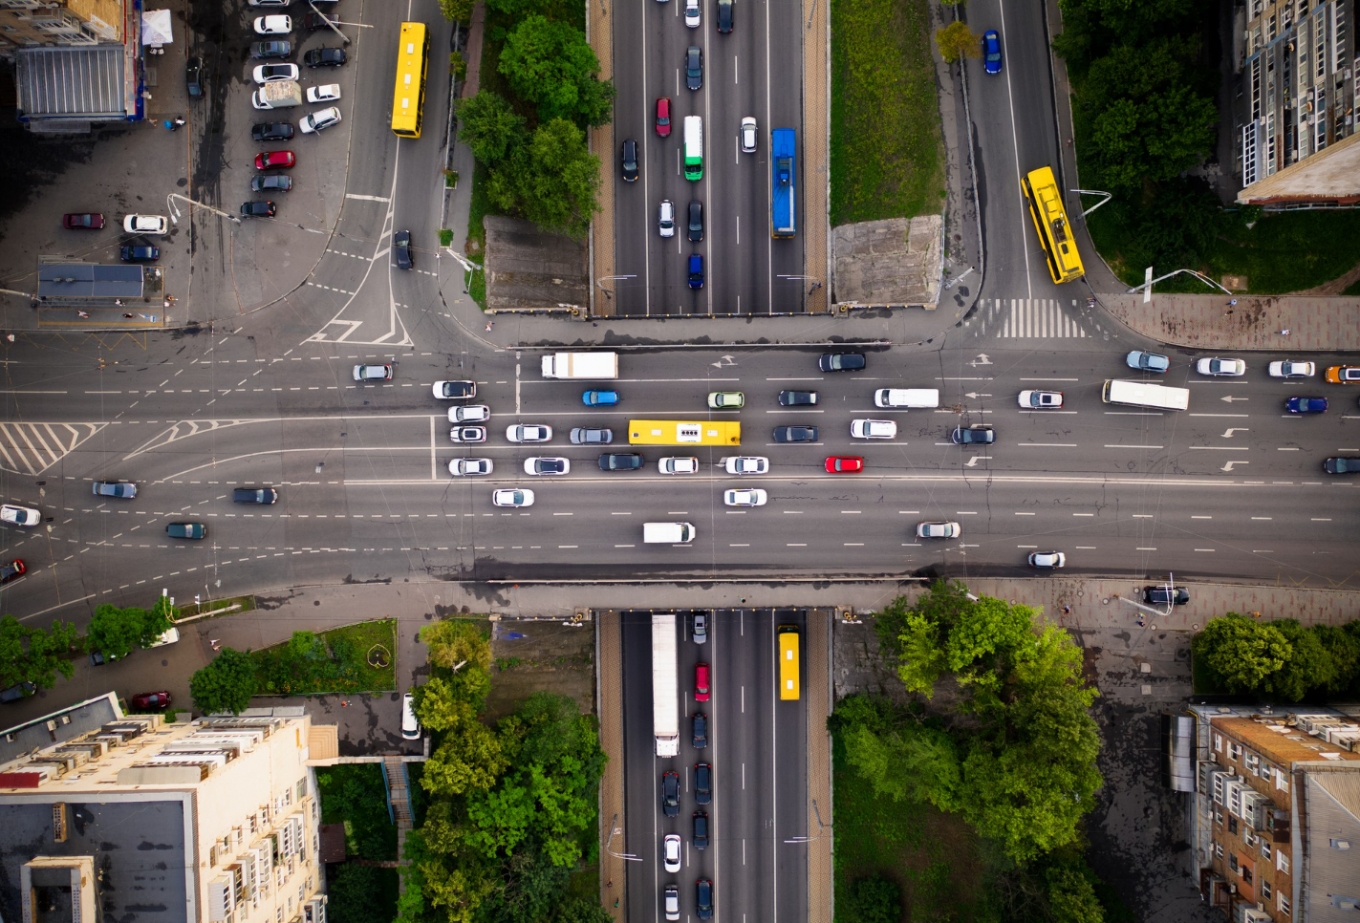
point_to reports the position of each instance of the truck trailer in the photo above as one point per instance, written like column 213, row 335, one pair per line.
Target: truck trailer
column 665, row 688
column 581, row 365
column 784, row 177
column 280, row 94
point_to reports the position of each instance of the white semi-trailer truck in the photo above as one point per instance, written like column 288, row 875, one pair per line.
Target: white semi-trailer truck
column 665, row 687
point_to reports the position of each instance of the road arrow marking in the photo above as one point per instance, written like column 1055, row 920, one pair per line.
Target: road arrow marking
column 980, row 360
column 972, row 462
column 973, row 395
column 1234, row 429
column 1229, row 465
column 724, row 362
column 1230, row 399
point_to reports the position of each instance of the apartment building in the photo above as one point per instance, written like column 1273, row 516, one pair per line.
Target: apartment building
column 1277, row 820
column 215, row 819
column 59, row 22
column 1295, row 103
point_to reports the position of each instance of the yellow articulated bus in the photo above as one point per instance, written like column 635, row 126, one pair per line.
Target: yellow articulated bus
column 788, row 662
column 413, row 61
column 1050, row 220
column 684, row 432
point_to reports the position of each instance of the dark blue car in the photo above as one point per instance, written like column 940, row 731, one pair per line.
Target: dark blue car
column 696, row 270
column 1306, row 405
column 600, row 398
column 991, row 51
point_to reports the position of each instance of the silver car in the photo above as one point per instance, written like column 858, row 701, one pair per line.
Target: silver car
column 753, row 496
column 938, row 530
column 19, row 515
column 678, row 464
column 748, row 135
column 1220, row 367
column 470, row 467
column 1047, row 559
column 529, row 432
column 747, row 464
column 584, row 436
column 469, row 413
column 467, row 434
column 513, row 496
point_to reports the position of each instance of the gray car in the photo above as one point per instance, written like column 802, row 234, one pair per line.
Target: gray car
column 1147, row 362
column 584, row 436
column 124, row 490
column 694, row 67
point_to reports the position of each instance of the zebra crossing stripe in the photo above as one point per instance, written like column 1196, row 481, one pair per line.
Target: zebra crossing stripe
column 1037, row 319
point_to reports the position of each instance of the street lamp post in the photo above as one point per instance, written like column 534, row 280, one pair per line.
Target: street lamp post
column 613, row 829
column 821, row 828
column 816, row 283
column 607, row 294
column 174, row 212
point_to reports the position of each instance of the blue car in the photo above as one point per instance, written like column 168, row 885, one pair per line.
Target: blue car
column 991, row 51
column 1306, row 405
column 600, row 398
column 696, row 270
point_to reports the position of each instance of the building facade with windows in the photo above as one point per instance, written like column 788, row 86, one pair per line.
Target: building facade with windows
column 59, row 22
column 1295, row 111
column 186, row 822
column 1277, row 820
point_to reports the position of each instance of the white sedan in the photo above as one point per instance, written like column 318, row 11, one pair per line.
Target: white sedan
column 670, row 852
column 1292, row 368
column 268, row 73
column 327, row 93
column 273, row 25
column 873, row 429
column 469, row 467
column 19, row 515
column 513, row 496
column 1217, row 366
column 470, row 413
column 938, row 530
column 467, row 434
column 752, row 496
column 747, row 464
column 319, row 120
column 529, row 432
column 1041, row 400
column 748, row 135
column 145, row 224
column 1047, row 559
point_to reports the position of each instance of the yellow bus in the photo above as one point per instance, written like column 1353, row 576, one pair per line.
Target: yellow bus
column 684, row 432
column 1050, row 220
column 788, row 662
column 413, row 61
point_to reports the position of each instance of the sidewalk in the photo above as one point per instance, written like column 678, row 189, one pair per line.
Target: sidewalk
column 1254, row 322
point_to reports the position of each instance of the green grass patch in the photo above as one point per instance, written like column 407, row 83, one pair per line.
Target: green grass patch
column 353, row 794
column 230, row 605
column 445, row 236
column 356, row 658
column 887, row 156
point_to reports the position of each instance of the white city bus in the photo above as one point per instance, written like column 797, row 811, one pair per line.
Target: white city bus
column 694, row 148
column 1142, row 394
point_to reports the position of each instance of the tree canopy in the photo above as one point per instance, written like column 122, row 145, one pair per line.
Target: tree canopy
column 551, row 65
column 32, row 655
column 225, row 684
column 1280, row 658
column 115, row 632
column 491, row 128
column 553, row 181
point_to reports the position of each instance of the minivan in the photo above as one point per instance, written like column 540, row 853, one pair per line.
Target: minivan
column 630, row 161
column 410, row 725
column 918, row 398
column 667, row 533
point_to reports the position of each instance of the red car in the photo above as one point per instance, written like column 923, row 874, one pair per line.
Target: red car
column 90, row 221
column 12, row 571
column 844, row 464
column 663, row 117
column 275, row 160
column 151, row 700
column 701, row 690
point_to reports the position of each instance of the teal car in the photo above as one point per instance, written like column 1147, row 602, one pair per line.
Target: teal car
column 600, row 398
column 193, row 530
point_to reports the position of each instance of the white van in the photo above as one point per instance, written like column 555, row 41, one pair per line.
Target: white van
column 170, row 636
column 667, row 533
column 410, row 727
column 917, row 398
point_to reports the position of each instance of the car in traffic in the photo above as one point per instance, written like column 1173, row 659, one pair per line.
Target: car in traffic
column 1165, row 595
column 271, row 182
column 694, row 67
column 795, row 433
column 455, row 390
column 700, row 837
column 663, row 117
column 702, row 692
column 745, row 496
column 670, row 901
column 1041, row 400
column 938, row 530
column 19, row 515
column 844, row 464
column 977, row 434
column 187, row 530
column 699, row 736
column 272, row 48
column 324, row 57
column 267, row 496
column 1048, row 559
column 797, row 398
column 630, row 160
column 271, row 131
column 696, row 222
column 703, row 898
column 747, row 133
column 842, row 362
column 678, row 464
column 1343, row 374
column 670, row 852
column 703, row 783
column 665, row 218
column 258, row 209
column 583, row 435
column 1147, row 362
column 1341, row 465
column 469, row 413
column 273, row 25
column 622, row 461
column 726, row 400
column 193, row 77
column 513, row 497
column 401, row 249
column 594, row 398
column 146, row 224
column 139, row 254
column 320, row 120
column 471, row 467
column 326, row 93
column 1221, row 367
column 670, row 793
column 696, row 271
column 123, row 490
column 83, row 221
column 692, row 13
column 991, row 51
column 275, row 160
column 377, row 372
column 1303, row 405
column 467, row 434
column 724, row 17
column 268, row 73
column 529, row 432
column 699, row 628
column 873, row 429
column 12, row 571
column 1291, row 368
column 746, row 464
column 547, row 466
column 148, row 700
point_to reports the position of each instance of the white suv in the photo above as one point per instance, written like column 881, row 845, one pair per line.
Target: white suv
column 665, row 222
column 321, row 119
column 873, row 429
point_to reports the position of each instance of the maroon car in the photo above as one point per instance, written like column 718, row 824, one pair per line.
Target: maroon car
column 275, row 160
column 151, row 700
column 12, row 571
column 89, row 221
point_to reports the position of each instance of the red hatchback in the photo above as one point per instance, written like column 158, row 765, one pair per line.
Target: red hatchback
column 89, row 221
column 663, row 117
column 151, row 700
column 844, row 464
column 701, row 690
column 275, row 160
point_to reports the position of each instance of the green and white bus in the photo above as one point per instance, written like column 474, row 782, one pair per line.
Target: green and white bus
column 694, row 148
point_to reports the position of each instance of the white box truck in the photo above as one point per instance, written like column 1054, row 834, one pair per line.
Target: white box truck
column 667, row 533
column 280, row 94
column 921, row 398
column 581, row 365
column 665, row 686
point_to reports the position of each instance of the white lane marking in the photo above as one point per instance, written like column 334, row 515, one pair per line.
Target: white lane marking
column 1117, row 446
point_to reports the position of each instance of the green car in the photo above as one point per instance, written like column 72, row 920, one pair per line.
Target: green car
column 186, row 530
column 726, row 400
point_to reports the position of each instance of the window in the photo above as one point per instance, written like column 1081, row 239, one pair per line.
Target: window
column 1266, row 769
column 1218, row 850
column 1282, row 902
column 1232, row 861
column 1281, row 780
column 1265, row 889
column 1234, row 750
column 302, row 788
column 1282, row 861
column 1232, row 824
column 1265, row 850
column 1253, row 761
column 1218, row 742
column 1246, row 874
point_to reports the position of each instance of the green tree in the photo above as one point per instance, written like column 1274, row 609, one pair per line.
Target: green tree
column 470, row 758
column 552, row 66
column 554, row 182
column 459, row 644
column 1072, row 896
column 1343, row 647
column 441, row 705
column 456, row 10
column 909, row 763
column 32, row 655
column 516, row 9
column 1309, row 666
column 956, row 42
column 491, row 129
column 1241, row 652
column 224, row 685
column 115, row 631
column 871, row 900
column 350, row 895
column 579, row 910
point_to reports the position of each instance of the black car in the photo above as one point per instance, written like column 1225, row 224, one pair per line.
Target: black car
column 271, row 182
column 630, row 161
column 17, row 691
column 795, row 434
column 324, row 57
column 12, row 571
column 694, row 67
column 313, row 21
column 701, row 830
column 696, row 222
column 265, row 495
column 401, row 249
column 1341, row 465
column 1160, row 595
column 977, row 434
column 97, row 659
column 670, row 794
column 703, row 783
column 455, row 390
column 724, row 17
column 797, row 398
column 622, row 461
column 258, row 210
column 139, row 254
column 703, row 899
column 700, row 730
column 842, row 362
column 278, row 48
column 193, row 78
column 271, row 131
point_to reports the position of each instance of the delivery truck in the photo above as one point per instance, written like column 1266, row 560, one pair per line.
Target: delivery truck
column 280, row 94
column 581, row 365
column 665, row 686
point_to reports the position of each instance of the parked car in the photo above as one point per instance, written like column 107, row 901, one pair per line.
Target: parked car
column 83, row 221
column 600, row 398
column 273, row 48
column 842, row 362
column 1041, row 400
column 1306, row 405
column 326, row 93
column 324, row 57
column 258, row 209
column 1163, row 595
column 270, row 160
column 313, row 21
column 271, row 182
column 663, row 117
column 139, row 254
column 938, row 530
column 1147, row 362
column 17, row 692
column 268, row 73
column 1292, row 368
column 748, row 135
column 12, row 571
column 1047, row 559
column 795, row 434
column 622, row 461
column 273, row 25
column 146, row 224
column 123, row 490
column 670, row 793
column 991, row 51
column 193, row 77
column 630, row 160
column 376, row 372
column 320, row 120
column 586, row 436
column 264, row 495
column 665, row 219
column 726, row 400
column 1221, row 367
column 844, row 464
column 401, row 249
column 513, row 496
column 189, row 530
column 471, row 467
column 977, row 434
column 19, row 515
column 147, row 700
column 271, row 131
column 455, row 390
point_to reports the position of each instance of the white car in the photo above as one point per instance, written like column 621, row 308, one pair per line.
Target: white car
column 513, row 496
column 466, row 467
column 270, row 2
column 145, row 224
column 747, row 464
column 1047, row 559
column 470, row 413
column 873, row 429
column 268, row 73
column 319, row 120
column 678, row 464
column 529, row 432
column 670, row 852
column 373, row 373
column 328, row 93
column 938, row 530
column 1218, row 366
column 665, row 221
column 1041, row 400
column 1291, row 368
column 546, row 466
column 273, row 25
column 19, row 515
column 467, row 434
column 752, row 496
column 455, row 390
column 748, row 135
column 692, row 13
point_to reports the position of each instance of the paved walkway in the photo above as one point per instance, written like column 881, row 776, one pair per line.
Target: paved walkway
column 1242, row 322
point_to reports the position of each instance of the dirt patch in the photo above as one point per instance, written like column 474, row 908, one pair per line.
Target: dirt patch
column 531, row 656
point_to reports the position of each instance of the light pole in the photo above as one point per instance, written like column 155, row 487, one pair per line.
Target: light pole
column 613, row 829
column 821, row 828
column 816, row 283
column 333, row 23
column 174, row 212
column 601, row 282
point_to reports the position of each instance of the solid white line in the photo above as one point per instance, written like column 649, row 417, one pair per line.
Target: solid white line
column 1024, row 514
column 1048, row 445
column 1201, row 517
column 1117, row 446
column 1144, row 549
column 1265, row 518
column 1234, row 416
column 367, row 198
column 1216, row 448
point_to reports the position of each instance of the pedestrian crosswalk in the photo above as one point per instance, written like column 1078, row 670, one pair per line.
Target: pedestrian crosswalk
column 31, row 448
column 1030, row 318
